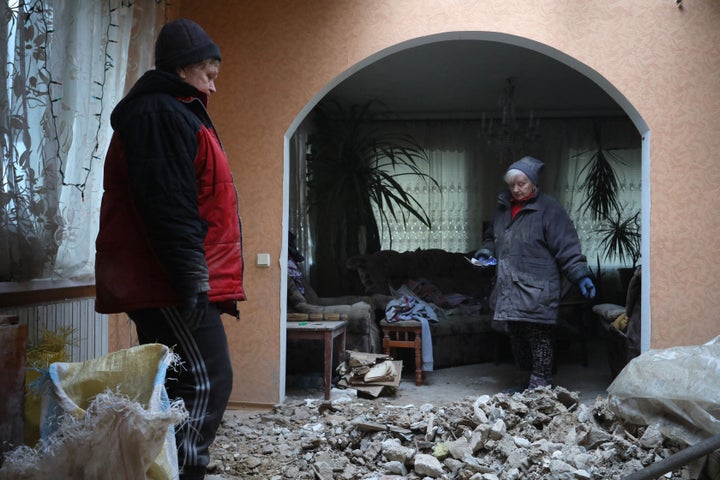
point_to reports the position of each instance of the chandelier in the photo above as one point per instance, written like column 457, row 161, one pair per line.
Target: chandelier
column 506, row 136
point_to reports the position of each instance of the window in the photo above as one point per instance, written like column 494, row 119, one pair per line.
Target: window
column 65, row 68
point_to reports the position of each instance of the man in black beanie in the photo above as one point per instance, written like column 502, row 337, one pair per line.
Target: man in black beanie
column 169, row 248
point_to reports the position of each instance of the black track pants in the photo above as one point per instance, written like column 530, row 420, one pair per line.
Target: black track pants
column 203, row 379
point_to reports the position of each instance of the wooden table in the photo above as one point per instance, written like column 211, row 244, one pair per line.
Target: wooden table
column 330, row 333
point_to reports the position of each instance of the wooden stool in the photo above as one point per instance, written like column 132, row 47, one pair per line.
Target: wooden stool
column 404, row 334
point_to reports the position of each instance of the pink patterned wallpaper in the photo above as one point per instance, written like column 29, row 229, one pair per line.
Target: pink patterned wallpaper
column 665, row 61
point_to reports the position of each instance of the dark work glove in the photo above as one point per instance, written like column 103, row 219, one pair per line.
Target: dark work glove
column 482, row 259
column 587, row 288
column 194, row 310
column 480, row 255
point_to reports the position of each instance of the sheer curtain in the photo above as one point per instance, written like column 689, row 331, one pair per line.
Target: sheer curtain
column 67, row 63
column 470, row 178
column 297, row 217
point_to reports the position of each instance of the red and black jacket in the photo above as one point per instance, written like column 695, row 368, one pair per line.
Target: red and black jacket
column 169, row 223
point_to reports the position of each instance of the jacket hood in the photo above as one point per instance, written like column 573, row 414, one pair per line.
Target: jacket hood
column 153, row 82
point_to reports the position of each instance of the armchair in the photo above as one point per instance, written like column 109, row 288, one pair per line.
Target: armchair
column 623, row 325
column 363, row 332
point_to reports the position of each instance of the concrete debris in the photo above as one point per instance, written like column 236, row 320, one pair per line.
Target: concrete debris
column 540, row 434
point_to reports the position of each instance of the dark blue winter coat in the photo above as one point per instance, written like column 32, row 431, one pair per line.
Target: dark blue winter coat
column 533, row 250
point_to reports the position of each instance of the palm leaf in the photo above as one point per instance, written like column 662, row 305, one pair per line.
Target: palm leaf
column 600, row 181
column 620, row 237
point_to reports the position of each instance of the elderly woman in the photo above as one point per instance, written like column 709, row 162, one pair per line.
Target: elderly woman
column 535, row 244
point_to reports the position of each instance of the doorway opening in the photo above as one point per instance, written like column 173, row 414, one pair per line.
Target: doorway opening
column 459, row 114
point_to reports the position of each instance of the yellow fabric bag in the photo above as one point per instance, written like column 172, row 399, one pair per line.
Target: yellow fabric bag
column 108, row 418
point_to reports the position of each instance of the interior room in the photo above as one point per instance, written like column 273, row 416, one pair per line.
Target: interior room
column 474, row 107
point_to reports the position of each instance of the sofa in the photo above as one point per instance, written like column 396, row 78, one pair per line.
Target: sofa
column 464, row 333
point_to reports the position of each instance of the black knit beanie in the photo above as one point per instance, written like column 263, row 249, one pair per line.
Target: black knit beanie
column 181, row 43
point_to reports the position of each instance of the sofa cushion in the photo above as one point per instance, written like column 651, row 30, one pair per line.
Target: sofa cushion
column 462, row 324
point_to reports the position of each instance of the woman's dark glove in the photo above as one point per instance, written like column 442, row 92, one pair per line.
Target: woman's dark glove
column 481, row 255
column 587, row 288
column 194, row 310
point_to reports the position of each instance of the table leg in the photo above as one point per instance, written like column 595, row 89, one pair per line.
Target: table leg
column 342, row 345
column 418, row 359
column 328, row 347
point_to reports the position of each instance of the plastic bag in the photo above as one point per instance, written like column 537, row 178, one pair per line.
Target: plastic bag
column 106, row 418
column 675, row 389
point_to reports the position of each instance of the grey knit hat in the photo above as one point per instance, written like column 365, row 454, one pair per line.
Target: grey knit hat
column 181, row 43
column 529, row 166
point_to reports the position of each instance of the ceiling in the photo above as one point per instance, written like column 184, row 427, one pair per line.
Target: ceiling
column 466, row 78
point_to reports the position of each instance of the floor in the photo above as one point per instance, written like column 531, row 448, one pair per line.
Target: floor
column 455, row 383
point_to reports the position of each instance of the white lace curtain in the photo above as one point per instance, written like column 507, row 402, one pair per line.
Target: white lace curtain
column 66, row 64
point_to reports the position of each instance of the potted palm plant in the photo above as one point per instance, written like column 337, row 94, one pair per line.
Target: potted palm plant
column 620, row 240
column 619, row 234
column 352, row 173
column 600, row 180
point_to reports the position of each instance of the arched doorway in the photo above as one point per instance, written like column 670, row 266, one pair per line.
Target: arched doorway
column 496, row 47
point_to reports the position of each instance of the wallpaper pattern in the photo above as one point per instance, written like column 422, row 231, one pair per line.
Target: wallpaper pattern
column 665, row 62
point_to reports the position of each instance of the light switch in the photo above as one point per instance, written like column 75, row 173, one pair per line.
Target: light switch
column 263, row 259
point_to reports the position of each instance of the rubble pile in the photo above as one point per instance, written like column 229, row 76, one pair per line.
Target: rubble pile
column 540, row 434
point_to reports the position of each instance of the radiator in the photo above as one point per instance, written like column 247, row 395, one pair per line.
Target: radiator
column 89, row 329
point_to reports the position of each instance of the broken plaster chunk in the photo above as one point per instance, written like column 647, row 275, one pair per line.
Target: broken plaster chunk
column 593, row 437
column 517, row 459
column 478, row 405
column 521, row 442
column 395, row 451
column 582, row 474
column 478, row 438
column 486, row 476
column 395, row 468
column 560, row 470
column 512, row 474
column 322, row 470
column 430, row 429
column 651, row 438
column 454, row 465
column 428, row 465
column 311, row 443
column 459, row 449
column 498, row 429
